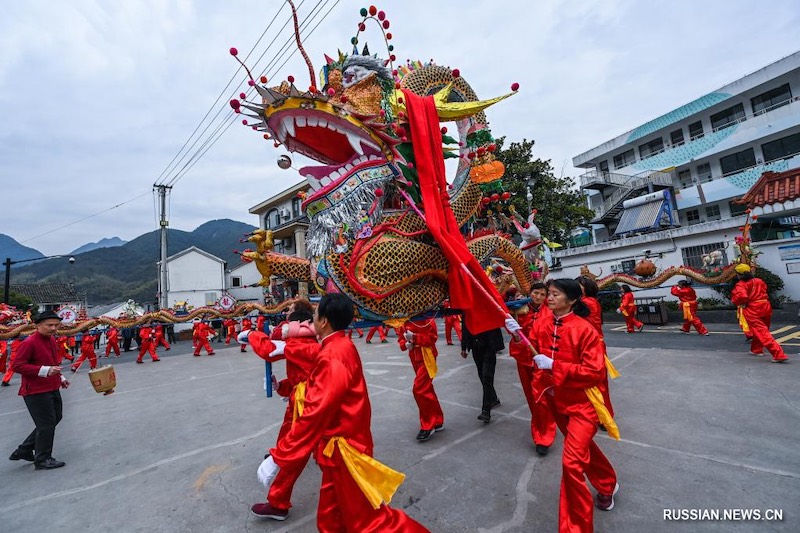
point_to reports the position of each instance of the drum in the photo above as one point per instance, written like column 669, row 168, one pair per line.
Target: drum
column 103, row 379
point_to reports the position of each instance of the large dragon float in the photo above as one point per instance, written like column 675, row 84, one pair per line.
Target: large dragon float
column 368, row 237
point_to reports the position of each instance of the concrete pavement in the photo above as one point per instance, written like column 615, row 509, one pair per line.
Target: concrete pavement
column 176, row 447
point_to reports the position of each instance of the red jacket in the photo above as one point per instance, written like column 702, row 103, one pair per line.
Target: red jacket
column 112, row 334
column 752, row 294
column 595, row 313
column 684, row 294
column 425, row 334
column 627, row 305
column 35, row 352
column 300, row 354
column 517, row 348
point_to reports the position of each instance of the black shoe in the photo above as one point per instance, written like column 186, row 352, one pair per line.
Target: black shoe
column 440, row 427
column 496, row 404
column 25, row 455
column 485, row 416
column 425, row 434
column 49, row 464
column 6, row 384
column 542, row 450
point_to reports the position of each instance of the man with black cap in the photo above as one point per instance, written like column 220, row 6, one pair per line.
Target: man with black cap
column 37, row 361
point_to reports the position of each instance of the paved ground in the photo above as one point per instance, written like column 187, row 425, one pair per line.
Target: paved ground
column 704, row 426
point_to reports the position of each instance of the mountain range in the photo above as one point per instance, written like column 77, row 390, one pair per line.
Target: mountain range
column 102, row 243
column 114, row 274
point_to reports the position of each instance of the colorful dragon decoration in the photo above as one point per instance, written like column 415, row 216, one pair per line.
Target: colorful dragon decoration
column 367, row 233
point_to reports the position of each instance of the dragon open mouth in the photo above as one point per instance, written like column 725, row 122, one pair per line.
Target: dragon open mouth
column 342, row 146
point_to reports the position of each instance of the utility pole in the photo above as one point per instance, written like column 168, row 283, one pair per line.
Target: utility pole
column 163, row 190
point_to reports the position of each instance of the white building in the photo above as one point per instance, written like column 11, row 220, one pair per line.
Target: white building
column 241, row 283
column 670, row 185
column 196, row 277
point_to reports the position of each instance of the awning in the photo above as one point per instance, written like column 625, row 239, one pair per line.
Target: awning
column 647, row 212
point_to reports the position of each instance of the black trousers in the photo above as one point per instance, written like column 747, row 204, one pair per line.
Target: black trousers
column 486, row 360
column 45, row 409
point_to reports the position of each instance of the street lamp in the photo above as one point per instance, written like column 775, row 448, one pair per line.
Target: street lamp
column 529, row 195
column 9, row 262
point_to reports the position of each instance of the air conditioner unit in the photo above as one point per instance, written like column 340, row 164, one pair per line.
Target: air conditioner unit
column 285, row 213
column 615, row 268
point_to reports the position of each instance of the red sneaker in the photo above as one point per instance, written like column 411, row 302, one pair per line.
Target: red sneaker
column 265, row 510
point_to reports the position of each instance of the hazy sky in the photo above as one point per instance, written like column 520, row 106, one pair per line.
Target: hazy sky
column 97, row 97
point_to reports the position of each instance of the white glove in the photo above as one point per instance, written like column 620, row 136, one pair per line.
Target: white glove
column 543, row 362
column 619, row 311
column 267, row 471
column 279, row 346
column 408, row 336
column 242, row 337
column 513, row 326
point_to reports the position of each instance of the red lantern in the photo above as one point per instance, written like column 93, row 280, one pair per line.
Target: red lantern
column 506, row 195
column 495, row 197
column 485, row 201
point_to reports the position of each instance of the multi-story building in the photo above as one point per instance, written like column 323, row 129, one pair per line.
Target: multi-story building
column 671, row 185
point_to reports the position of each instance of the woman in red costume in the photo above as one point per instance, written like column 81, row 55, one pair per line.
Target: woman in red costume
column 300, row 348
column 751, row 293
column 688, row 299
column 419, row 338
column 543, row 427
column 589, row 292
column 87, row 351
column 570, row 352
column 628, row 309
column 335, row 427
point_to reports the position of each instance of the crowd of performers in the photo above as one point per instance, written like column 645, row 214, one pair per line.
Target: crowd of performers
column 556, row 340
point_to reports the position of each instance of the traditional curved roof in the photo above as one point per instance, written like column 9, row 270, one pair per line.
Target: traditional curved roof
column 773, row 188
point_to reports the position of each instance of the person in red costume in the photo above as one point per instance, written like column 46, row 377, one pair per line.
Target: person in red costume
column 570, row 351
column 419, row 338
column 260, row 323
column 688, row 300
column 357, row 330
column 3, row 355
column 37, row 362
column 247, row 325
column 751, row 293
column 380, row 330
column 200, row 332
column 230, row 330
column 15, row 344
column 62, row 344
column 87, row 351
column 112, row 341
column 148, row 345
column 300, row 348
column 543, row 427
column 628, row 310
column 335, row 427
column 451, row 322
column 160, row 340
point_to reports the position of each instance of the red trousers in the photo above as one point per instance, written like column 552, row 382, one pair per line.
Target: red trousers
column 430, row 412
column 581, row 459
column 231, row 336
column 344, row 508
column 8, row 374
column 762, row 338
column 693, row 321
column 202, row 342
column 280, row 492
column 449, row 326
column 86, row 354
column 112, row 345
column 148, row 345
column 543, row 427
column 358, row 330
column 161, row 341
column 3, row 358
column 632, row 323
column 379, row 329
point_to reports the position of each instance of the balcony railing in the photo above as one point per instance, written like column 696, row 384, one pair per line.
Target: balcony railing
column 633, row 183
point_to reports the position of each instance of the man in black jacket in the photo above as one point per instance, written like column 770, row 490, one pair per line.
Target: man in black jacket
column 484, row 347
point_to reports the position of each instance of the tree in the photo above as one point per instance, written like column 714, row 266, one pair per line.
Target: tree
column 560, row 206
column 20, row 301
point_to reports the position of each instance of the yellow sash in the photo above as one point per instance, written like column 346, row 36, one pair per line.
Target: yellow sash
column 377, row 481
column 742, row 321
column 687, row 311
column 429, row 360
column 624, row 312
column 299, row 400
column 613, row 373
column 596, row 397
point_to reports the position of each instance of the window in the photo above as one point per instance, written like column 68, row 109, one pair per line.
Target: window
column 211, row 298
column 624, row 159
column 656, row 146
column 603, row 167
column 693, row 255
column 628, row 266
column 676, row 137
column 737, row 209
column 771, row 99
column 712, row 212
column 692, row 217
column 236, row 281
column 296, row 207
column 728, row 117
column 704, row 172
column 695, row 130
column 685, row 177
column 272, row 220
column 735, row 162
column 781, row 148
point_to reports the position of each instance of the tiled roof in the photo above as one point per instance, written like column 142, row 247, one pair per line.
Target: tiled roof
column 773, row 188
column 48, row 293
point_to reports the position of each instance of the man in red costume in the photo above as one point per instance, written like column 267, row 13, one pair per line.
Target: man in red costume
column 300, row 348
column 688, row 299
column 160, row 340
column 112, row 341
column 751, row 293
column 543, row 427
column 419, row 338
column 200, row 332
column 247, row 325
column 451, row 322
column 380, row 330
column 335, row 427
column 570, row 352
column 148, row 336
column 87, row 351
column 628, row 310
column 230, row 330
column 62, row 343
